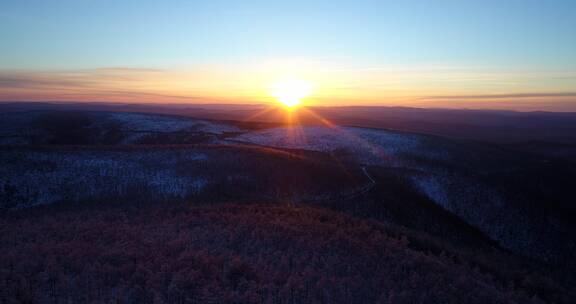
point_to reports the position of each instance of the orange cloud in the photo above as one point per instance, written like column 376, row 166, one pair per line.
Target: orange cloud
column 427, row 86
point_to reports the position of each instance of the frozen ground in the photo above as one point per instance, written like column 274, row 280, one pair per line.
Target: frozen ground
column 436, row 168
column 160, row 123
column 36, row 178
column 42, row 127
column 17, row 128
column 367, row 146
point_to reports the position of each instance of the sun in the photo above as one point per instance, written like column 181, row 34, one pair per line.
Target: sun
column 291, row 91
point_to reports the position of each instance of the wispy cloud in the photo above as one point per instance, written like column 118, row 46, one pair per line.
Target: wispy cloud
column 442, row 86
column 129, row 69
column 110, row 83
column 502, row 96
column 71, row 78
column 38, row 81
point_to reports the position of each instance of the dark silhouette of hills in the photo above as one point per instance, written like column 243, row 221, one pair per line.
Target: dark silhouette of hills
column 134, row 204
column 481, row 125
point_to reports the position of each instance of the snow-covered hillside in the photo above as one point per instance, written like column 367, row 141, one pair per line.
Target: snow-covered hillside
column 82, row 128
column 368, row 146
column 45, row 177
column 160, row 123
column 437, row 168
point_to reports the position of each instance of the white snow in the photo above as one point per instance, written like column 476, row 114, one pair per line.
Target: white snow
column 160, row 123
column 368, row 146
column 54, row 176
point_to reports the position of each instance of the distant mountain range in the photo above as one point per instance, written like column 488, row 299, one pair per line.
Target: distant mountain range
column 481, row 125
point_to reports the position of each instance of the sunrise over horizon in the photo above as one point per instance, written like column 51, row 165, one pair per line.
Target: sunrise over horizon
column 517, row 55
column 288, row 152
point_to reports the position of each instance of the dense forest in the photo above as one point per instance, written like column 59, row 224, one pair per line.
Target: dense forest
column 178, row 253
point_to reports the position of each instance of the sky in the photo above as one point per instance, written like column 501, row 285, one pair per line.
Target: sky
column 518, row 55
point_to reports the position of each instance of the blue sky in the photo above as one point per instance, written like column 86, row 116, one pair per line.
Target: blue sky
column 84, row 33
column 506, row 35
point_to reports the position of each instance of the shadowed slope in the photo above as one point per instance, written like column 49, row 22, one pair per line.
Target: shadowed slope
column 233, row 254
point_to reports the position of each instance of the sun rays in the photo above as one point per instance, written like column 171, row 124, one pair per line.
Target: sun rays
column 299, row 125
column 297, row 118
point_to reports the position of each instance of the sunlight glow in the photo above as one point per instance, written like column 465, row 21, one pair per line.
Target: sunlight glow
column 291, row 91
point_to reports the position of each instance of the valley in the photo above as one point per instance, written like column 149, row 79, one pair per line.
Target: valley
column 440, row 200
